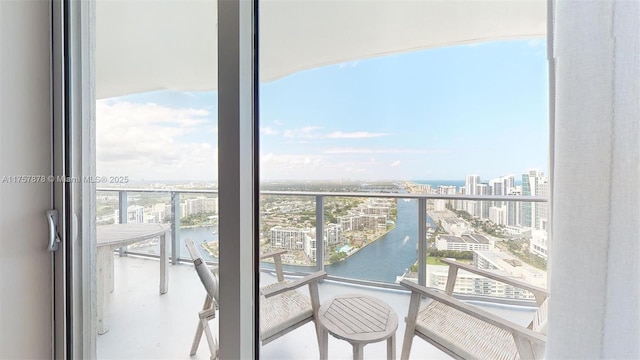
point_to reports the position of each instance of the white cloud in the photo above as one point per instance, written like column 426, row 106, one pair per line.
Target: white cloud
column 307, row 132
column 274, row 166
column 334, row 151
column 268, row 131
column 395, row 163
column 305, row 166
column 354, row 135
column 312, row 132
column 155, row 142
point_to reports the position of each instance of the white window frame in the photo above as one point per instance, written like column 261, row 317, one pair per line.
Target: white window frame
column 238, row 182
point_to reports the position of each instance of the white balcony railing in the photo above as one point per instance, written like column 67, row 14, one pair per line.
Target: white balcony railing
column 319, row 197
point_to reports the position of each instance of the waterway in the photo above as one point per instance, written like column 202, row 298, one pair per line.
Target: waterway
column 389, row 256
column 381, row 260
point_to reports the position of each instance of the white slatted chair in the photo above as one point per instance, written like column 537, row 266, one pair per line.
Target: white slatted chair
column 467, row 332
column 282, row 307
column 209, row 278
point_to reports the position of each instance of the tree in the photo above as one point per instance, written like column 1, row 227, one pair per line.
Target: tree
column 337, row 256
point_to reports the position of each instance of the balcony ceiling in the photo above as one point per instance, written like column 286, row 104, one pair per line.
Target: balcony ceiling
column 169, row 44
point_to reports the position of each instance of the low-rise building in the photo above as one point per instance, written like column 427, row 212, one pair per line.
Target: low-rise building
column 498, row 263
column 466, row 242
column 538, row 244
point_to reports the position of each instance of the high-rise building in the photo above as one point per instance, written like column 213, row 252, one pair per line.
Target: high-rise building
column 501, row 186
column 542, row 209
column 482, row 207
column 460, row 204
column 496, row 187
column 530, row 187
column 514, row 208
column 508, row 183
column 470, row 183
column 440, row 205
column 498, row 214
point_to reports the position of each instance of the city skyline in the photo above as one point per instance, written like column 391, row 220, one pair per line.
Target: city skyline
column 430, row 114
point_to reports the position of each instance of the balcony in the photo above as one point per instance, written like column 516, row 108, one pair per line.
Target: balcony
column 144, row 324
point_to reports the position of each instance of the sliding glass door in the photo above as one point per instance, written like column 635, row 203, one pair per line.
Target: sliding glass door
column 162, row 136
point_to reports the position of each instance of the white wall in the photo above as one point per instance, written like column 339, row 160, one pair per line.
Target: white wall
column 595, row 276
column 25, row 289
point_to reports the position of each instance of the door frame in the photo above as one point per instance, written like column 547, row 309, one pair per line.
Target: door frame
column 74, row 40
column 73, row 161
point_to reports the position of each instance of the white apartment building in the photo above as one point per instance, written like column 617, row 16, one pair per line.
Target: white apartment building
column 501, row 186
column 446, row 190
column 290, row 238
column 440, row 205
column 460, row 204
column 542, row 209
column 467, row 242
column 303, row 238
column 498, row 215
column 473, row 284
column 534, row 215
column 372, row 215
column 135, row 214
column 424, row 188
column 183, row 210
column 470, row 184
column 500, row 263
column 159, row 212
column 201, row 205
column 517, row 231
column 538, row 244
column 375, row 210
column 514, row 209
column 509, row 265
column 349, row 222
column 331, row 236
column 362, row 222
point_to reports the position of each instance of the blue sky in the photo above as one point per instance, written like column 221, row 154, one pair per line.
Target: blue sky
column 430, row 114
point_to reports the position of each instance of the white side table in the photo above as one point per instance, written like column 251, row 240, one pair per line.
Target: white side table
column 360, row 320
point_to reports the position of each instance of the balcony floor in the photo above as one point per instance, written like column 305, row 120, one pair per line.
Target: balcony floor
column 146, row 325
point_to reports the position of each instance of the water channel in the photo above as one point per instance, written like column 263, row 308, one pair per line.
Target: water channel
column 381, row 260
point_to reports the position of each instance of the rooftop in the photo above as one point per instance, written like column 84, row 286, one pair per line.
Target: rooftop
column 514, row 267
column 475, row 238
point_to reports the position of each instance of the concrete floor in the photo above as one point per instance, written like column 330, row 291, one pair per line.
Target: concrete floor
column 146, row 325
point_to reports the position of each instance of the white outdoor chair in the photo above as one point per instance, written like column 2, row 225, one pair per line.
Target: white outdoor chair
column 209, row 278
column 467, row 332
column 282, row 307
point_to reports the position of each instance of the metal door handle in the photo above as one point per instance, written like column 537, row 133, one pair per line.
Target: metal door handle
column 54, row 238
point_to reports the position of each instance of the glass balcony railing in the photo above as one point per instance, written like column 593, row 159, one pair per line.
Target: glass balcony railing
column 369, row 238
